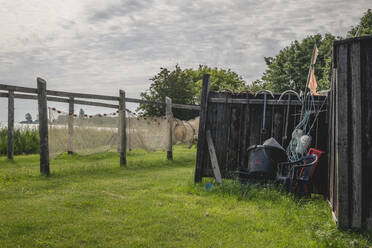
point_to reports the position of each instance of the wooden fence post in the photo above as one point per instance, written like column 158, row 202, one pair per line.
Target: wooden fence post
column 122, row 132
column 202, row 129
column 10, row 124
column 43, row 126
column 70, row 125
column 168, row 112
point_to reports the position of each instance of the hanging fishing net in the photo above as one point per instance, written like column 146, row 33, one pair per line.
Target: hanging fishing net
column 101, row 133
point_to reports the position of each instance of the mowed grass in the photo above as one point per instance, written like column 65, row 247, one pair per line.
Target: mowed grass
column 89, row 201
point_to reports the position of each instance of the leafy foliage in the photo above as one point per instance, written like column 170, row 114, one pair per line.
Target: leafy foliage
column 25, row 141
column 289, row 69
column 184, row 87
column 365, row 25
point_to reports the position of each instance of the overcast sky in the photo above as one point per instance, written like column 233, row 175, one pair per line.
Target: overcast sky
column 102, row 46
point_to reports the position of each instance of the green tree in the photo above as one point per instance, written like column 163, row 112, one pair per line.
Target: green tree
column 184, row 87
column 365, row 25
column 289, row 69
column 220, row 79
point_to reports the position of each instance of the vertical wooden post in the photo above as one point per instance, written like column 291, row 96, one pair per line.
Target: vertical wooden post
column 43, row 126
column 122, row 128
column 356, row 136
column 342, row 145
column 10, row 124
column 202, row 129
column 70, row 125
column 168, row 113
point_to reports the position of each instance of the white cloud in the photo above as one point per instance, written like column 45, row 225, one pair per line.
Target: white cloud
column 101, row 46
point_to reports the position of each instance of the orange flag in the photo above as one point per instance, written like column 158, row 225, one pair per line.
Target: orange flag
column 312, row 83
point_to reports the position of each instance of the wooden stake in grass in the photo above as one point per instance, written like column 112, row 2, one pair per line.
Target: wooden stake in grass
column 168, row 112
column 10, row 124
column 123, row 134
column 70, row 125
column 43, row 126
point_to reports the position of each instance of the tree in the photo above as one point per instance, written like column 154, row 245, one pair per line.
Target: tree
column 81, row 113
column 28, row 118
column 220, row 79
column 184, row 87
column 289, row 69
column 365, row 25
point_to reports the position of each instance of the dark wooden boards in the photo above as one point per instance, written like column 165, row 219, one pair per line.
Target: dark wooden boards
column 350, row 141
column 202, row 148
column 235, row 122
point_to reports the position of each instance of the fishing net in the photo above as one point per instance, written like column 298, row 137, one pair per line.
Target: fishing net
column 101, row 133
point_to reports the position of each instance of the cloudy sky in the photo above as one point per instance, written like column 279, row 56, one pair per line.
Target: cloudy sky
column 102, row 46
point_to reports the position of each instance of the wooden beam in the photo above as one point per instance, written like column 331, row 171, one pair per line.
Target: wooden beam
column 202, row 129
column 356, row 124
column 10, row 124
column 101, row 104
column 342, row 142
column 81, row 95
column 123, row 133
column 185, row 106
column 17, row 88
column 168, row 113
column 213, row 156
column 259, row 101
column 70, row 125
column 43, row 127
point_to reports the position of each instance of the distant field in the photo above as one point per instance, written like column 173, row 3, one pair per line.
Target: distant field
column 89, row 201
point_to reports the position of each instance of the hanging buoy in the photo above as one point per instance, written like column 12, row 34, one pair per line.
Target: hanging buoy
column 303, row 144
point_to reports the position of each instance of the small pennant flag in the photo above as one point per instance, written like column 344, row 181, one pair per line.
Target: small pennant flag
column 312, row 83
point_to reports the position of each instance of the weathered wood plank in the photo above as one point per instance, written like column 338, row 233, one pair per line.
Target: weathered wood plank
column 213, row 157
column 70, row 125
column 342, row 148
column 81, row 95
column 98, row 104
column 356, row 115
column 17, row 88
column 366, row 64
column 168, row 113
column 10, row 124
column 202, row 128
column 43, row 127
column 123, row 133
column 260, row 101
column 185, row 106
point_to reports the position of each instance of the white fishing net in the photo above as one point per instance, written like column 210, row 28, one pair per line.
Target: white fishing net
column 100, row 133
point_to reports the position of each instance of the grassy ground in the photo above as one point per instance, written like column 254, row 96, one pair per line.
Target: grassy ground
column 91, row 202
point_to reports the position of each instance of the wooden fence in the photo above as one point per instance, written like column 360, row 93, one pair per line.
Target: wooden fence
column 43, row 95
column 235, row 122
column 350, row 140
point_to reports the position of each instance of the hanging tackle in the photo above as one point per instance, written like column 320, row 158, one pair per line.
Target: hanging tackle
column 264, row 92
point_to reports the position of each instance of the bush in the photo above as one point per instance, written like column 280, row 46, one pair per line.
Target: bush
column 26, row 141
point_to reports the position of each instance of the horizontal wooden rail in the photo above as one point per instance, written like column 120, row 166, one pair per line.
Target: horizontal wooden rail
column 258, row 101
column 18, row 88
column 56, row 96
column 81, row 95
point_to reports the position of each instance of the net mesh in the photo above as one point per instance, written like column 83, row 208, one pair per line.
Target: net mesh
column 101, row 133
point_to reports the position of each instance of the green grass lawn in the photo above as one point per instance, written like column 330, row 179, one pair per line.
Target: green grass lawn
column 90, row 201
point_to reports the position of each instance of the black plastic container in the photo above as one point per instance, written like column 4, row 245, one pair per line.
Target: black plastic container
column 263, row 162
